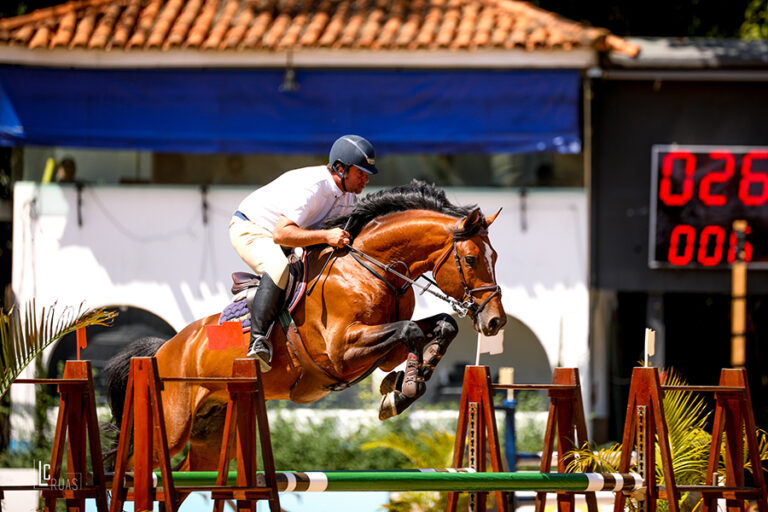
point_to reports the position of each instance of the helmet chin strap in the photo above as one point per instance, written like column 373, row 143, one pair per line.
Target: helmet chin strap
column 342, row 175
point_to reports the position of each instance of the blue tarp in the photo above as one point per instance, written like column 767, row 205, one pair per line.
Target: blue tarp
column 244, row 110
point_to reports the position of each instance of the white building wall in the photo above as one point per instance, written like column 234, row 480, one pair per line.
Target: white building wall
column 147, row 247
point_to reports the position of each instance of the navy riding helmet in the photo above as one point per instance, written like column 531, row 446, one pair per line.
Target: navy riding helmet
column 353, row 150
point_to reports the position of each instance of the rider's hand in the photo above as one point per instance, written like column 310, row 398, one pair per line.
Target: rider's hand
column 337, row 237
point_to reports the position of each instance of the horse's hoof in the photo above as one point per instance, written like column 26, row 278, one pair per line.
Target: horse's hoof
column 414, row 387
column 391, row 382
column 387, row 407
column 393, row 404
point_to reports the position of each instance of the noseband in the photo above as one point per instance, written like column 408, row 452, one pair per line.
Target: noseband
column 468, row 300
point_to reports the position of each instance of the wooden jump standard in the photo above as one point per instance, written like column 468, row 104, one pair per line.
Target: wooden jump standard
column 245, row 416
column 77, row 436
column 645, row 422
column 477, row 433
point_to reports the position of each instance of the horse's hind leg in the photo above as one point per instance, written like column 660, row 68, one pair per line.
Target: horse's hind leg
column 177, row 409
column 205, row 434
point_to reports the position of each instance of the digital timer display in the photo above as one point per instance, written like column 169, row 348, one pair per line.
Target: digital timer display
column 696, row 194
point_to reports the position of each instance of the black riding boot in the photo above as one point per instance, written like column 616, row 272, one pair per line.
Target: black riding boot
column 263, row 308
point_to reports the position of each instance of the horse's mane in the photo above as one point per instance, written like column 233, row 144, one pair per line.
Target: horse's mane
column 417, row 195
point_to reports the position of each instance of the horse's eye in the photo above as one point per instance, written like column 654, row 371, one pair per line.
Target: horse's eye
column 470, row 260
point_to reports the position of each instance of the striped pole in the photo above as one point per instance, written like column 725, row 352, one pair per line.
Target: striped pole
column 428, row 480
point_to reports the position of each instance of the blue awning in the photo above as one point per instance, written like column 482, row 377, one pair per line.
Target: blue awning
column 244, row 110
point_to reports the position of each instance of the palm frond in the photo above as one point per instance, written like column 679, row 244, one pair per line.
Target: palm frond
column 762, row 448
column 425, row 450
column 25, row 334
column 590, row 459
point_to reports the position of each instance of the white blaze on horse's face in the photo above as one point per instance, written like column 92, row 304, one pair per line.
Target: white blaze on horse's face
column 491, row 318
column 489, row 261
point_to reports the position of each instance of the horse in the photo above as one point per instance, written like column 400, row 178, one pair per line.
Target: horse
column 357, row 318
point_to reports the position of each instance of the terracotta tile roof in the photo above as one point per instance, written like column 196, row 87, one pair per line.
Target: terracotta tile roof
column 273, row 25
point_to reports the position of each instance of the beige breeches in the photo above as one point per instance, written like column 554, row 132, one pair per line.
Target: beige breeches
column 255, row 245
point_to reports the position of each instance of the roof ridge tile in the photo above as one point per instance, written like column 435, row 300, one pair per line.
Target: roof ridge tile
column 275, row 25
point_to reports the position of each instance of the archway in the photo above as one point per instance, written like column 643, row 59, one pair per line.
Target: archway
column 522, row 351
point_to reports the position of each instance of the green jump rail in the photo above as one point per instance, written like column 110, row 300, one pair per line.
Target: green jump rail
column 423, row 480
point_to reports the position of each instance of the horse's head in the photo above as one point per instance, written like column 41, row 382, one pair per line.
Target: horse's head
column 465, row 270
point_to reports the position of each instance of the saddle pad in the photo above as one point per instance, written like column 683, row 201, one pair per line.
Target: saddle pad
column 237, row 310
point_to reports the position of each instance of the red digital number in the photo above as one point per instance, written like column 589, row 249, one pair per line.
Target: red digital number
column 705, row 192
column 717, row 254
column 665, row 189
column 688, row 233
column 749, row 177
column 683, row 240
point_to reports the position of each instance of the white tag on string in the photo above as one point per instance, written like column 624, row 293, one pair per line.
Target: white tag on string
column 650, row 344
column 489, row 344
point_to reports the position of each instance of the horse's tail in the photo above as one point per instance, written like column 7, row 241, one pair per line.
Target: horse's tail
column 116, row 383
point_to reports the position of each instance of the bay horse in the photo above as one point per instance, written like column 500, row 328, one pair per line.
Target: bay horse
column 355, row 320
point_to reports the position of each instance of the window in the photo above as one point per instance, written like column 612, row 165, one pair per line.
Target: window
column 505, row 170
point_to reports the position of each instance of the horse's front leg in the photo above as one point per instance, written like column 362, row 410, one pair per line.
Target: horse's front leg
column 439, row 331
column 366, row 342
column 378, row 342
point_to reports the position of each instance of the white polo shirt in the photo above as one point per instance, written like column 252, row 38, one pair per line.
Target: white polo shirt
column 307, row 196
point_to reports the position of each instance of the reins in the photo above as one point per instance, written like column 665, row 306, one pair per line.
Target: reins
column 463, row 307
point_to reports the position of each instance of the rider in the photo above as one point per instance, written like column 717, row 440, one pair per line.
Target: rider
column 286, row 212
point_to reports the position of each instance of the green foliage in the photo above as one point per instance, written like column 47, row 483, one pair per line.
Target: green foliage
column 319, row 446
column 755, row 24
column 529, row 434
column 689, row 441
column 25, row 334
column 427, row 449
column 531, row 401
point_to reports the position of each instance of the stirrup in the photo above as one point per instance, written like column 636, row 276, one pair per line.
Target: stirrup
column 262, row 352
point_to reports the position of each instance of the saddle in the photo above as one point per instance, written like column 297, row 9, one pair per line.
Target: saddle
column 245, row 284
column 312, row 382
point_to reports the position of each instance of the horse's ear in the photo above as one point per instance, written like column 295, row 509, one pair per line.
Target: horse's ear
column 470, row 220
column 489, row 220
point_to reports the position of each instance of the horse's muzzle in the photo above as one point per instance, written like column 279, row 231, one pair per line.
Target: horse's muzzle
column 491, row 318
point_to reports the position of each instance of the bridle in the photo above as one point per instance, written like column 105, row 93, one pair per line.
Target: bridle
column 468, row 299
column 467, row 305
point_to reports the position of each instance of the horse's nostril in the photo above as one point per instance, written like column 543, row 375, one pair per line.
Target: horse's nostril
column 493, row 324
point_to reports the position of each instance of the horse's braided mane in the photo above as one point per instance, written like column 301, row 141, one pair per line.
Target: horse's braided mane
column 417, row 195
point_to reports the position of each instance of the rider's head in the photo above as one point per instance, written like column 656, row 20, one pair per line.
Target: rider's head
column 352, row 151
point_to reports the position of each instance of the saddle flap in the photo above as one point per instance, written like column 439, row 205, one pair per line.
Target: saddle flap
column 243, row 280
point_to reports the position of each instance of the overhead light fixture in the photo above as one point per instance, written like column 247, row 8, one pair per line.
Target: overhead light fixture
column 289, row 78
